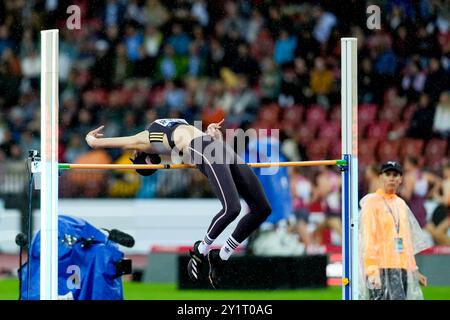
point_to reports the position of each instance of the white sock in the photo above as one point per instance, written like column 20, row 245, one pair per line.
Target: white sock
column 228, row 248
column 203, row 247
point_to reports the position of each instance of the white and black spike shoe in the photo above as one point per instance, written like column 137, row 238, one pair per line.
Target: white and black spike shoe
column 216, row 268
column 196, row 263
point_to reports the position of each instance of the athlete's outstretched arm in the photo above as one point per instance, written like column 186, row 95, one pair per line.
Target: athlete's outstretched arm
column 214, row 130
column 137, row 142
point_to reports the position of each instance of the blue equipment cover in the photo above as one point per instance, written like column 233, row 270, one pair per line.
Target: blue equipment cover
column 276, row 186
column 87, row 264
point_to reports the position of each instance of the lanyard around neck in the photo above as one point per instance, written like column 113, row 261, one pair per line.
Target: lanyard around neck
column 396, row 221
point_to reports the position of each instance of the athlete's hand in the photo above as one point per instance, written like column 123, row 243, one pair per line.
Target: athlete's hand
column 214, row 130
column 93, row 135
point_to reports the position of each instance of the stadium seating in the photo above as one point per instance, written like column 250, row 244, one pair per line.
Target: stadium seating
column 367, row 113
column 388, row 150
column 390, row 114
column 367, row 151
column 293, row 114
column 411, row 147
column 378, row 130
column 435, row 153
column 316, row 114
column 335, row 150
column 408, row 113
column 306, row 133
column 330, row 130
column 318, row 149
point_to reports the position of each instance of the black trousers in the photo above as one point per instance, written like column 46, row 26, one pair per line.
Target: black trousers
column 394, row 285
column 230, row 179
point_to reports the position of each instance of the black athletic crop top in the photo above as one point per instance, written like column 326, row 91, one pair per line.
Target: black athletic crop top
column 159, row 127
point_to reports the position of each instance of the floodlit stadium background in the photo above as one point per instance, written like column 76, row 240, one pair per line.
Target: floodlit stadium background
column 258, row 64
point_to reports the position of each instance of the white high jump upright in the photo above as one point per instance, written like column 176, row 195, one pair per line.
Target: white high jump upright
column 49, row 164
column 349, row 109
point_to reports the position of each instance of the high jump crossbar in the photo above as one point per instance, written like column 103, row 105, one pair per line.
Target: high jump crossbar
column 63, row 166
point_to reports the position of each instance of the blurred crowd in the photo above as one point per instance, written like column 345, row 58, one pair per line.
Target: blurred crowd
column 256, row 63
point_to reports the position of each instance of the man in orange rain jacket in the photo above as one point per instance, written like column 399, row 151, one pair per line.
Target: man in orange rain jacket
column 389, row 238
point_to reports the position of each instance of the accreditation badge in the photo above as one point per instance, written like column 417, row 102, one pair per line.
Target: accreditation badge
column 398, row 245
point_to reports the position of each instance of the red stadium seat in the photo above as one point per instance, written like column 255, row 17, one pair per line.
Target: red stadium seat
column 293, row 114
column 306, row 133
column 362, row 128
column 378, row 130
column 411, row 147
column 390, row 114
column 335, row 113
column 316, row 114
column 435, row 154
column 269, row 113
column 367, row 152
column 367, row 113
column 408, row 113
column 434, row 163
column 436, row 148
column 330, row 130
column 317, row 149
column 335, row 150
column 388, row 150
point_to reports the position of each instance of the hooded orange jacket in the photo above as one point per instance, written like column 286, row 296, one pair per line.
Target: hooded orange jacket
column 378, row 233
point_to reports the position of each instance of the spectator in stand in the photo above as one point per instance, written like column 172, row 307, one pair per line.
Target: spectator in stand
column 385, row 64
column 367, row 91
column 245, row 64
column 325, row 22
column 113, row 14
column 170, row 65
column 441, row 215
column 5, row 39
column 175, row 96
column 29, row 141
column 372, row 178
column 31, row 65
column 122, row 65
column 156, row 13
column 413, row 81
column 245, row 103
column 441, row 123
column 322, row 79
column 153, row 39
column 437, row 80
column 196, row 63
column 421, row 125
column 133, row 41
column 302, row 191
column 75, row 148
column 285, row 47
column 179, row 40
column 102, row 69
column 328, row 193
column 270, row 81
column 199, row 10
column 416, row 188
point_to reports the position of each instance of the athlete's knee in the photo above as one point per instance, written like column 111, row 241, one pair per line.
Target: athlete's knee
column 265, row 209
column 233, row 209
